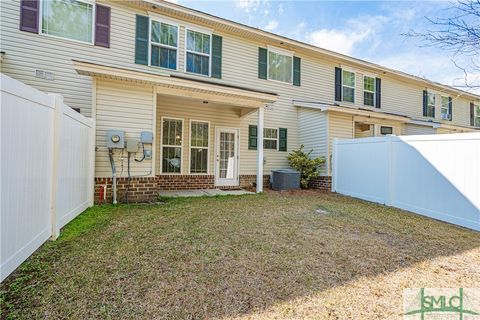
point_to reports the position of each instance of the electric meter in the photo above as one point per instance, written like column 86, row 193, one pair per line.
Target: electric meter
column 115, row 139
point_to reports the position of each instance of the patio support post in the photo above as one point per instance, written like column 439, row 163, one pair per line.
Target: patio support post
column 260, row 150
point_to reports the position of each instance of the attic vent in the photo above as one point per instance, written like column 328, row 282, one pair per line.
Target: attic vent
column 47, row 75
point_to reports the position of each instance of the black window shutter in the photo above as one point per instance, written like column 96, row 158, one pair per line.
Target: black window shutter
column 29, row 15
column 472, row 114
column 141, row 40
column 450, row 103
column 252, row 137
column 378, row 93
column 216, row 56
column 296, row 71
column 262, row 63
column 102, row 26
column 338, row 84
column 282, row 139
column 424, row 103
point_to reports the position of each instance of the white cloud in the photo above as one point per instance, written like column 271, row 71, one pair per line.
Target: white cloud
column 248, row 5
column 272, row 25
column 280, row 9
column 344, row 40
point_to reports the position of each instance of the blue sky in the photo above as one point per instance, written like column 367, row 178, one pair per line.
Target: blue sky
column 369, row 30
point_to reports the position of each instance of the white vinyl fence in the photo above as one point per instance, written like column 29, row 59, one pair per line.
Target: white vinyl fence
column 47, row 168
column 434, row 175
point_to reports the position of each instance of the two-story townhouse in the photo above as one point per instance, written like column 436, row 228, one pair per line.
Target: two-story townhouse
column 208, row 89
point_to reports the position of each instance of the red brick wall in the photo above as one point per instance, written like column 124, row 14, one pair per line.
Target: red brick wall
column 185, row 182
column 323, row 183
column 144, row 189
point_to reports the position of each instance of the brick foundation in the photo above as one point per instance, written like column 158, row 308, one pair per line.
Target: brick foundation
column 323, row 183
column 145, row 189
column 185, row 182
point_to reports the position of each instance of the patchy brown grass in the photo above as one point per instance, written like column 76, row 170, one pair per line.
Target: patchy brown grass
column 272, row 256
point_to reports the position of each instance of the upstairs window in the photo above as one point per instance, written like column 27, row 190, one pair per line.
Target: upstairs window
column 198, row 52
column 445, row 110
column 430, row 105
column 368, row 91
column 280, row 66
column 163, row 45
column 70, row 19
column 348, row 86
column 270, row 138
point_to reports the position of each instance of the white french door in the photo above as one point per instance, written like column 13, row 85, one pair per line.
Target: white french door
column 226, row 157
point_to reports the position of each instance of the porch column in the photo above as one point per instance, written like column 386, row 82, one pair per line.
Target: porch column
column 260, row 151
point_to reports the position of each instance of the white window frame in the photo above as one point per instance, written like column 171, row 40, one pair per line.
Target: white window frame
column 475, row 113
column 271, row 139
column 171, row 146
column 374, row 91
column 204, row 31
column 190, row 148
column 444, row 107
column 40, row 23
column 282, row 52
column 434, row 103
column 354, row 85
column 153, row 17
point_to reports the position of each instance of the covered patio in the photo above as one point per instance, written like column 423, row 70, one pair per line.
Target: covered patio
column 200, row 127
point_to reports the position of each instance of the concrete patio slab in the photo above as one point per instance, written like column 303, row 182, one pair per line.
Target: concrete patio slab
column 202, row 192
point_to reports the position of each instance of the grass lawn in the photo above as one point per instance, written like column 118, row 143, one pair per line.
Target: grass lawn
column 303, row 255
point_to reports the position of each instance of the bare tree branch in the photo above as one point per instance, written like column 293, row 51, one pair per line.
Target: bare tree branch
column 459, row 33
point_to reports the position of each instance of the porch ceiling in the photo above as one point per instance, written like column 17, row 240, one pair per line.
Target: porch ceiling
column 205, row 90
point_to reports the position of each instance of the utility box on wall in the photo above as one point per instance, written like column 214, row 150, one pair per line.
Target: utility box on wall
column 116, row 139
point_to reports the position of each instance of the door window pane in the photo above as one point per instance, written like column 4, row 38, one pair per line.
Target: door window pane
column 227, row 155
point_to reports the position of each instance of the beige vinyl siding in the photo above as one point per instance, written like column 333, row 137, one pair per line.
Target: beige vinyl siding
column 128, row 106
column 313, row 129
column 340, row 126
column 413, row 129
column 123, row 106
column 218, row 116
column 444, row 131
column 26, row 52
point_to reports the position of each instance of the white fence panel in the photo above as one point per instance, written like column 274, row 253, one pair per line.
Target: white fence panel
column 75, row 166
column 433, row 175
column 26, row 167
column 46, row 169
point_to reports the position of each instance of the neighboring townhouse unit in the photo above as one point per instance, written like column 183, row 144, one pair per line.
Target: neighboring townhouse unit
column 206, row 90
